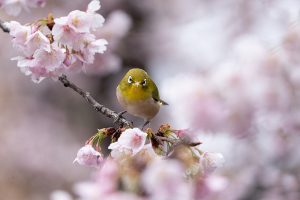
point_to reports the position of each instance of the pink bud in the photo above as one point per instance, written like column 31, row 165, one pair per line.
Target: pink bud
column 67, row 61
column 41, row 3
column 34, row 28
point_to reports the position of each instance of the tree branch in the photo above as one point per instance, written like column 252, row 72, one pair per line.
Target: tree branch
column 177, row 142
column 98, row 107
column 109, row 113
column 3, row 27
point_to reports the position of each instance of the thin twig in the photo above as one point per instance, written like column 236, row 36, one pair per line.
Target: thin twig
column 98, row 107
column 177, row 142
column 3, row 27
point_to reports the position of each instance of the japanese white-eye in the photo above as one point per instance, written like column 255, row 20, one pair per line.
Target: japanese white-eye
column 139, row 96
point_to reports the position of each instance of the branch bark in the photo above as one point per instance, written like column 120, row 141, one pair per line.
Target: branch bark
column 3, row 27
column 177, row 142
column 98, row 107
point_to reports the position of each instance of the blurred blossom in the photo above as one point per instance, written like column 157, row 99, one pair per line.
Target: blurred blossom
column 115, row 28
column 14, row 7
column 229, row 97
column 187, row 134
column 230, row 68
column 98, row 20
column 125, row 196
column 107, row 177
column 211, row 161
column 210, row 185
column 20, row 34
column 146, row 154
column 60, row 195
column 164, row 180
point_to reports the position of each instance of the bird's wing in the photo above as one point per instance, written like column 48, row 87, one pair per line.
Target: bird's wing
column 163, row 102
column 155, row 96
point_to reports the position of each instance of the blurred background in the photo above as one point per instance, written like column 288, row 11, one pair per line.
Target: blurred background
column 229, row 70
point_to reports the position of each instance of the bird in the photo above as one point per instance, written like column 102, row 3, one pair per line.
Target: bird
column 139, row 95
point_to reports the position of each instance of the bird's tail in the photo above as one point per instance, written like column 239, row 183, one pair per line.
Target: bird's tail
column 163, row 102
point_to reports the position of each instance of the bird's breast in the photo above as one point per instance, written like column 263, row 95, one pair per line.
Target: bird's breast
column 138, row 104
column 136, row 93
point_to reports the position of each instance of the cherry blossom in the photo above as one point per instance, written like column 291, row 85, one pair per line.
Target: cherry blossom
column 107, row 177
column 164, row 180
column 88, row 156
column 116, row 26
column 210, row 185
column 14, row 7
column 146, row 154
column 20, row 34
column 187, row 134
column 131, row 142
column 82, row 41
column 120, row 154
column 86, row 55
column 98, row 20
column 40, row 3
column 72, row 64
column 49, row 59
column 211, row 161
column 133, row 139
column 80, row 21
column 104, row 182
column 69, row 48
column 24, row 64
column 63, row 33
column 36, row 41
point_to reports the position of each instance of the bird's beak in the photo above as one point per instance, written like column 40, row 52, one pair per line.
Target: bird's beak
column 137, row 84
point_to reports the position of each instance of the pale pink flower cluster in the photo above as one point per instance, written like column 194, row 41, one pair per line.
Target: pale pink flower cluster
column 74, row 46
column 132, row 144
column 201, row 162
column 14, row 7
column 133, row 168
column 162, row 179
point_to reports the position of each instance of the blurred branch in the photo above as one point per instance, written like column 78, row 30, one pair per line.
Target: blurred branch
column 3, row 27
column 98, row 107
column 176, row 142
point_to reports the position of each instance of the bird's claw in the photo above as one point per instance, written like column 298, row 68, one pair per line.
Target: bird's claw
column 142, row 127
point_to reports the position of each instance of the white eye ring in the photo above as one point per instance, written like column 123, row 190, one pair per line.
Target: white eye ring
column 144, row 82
column 130, row 79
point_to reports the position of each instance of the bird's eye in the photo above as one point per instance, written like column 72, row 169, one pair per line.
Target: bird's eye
column 130, row 79
column 144, row 82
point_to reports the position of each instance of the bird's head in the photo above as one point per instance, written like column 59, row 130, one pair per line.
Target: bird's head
column 136, row 85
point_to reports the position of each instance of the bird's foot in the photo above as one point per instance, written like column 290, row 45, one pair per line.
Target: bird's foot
column 141, row 127
column 119, row 116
